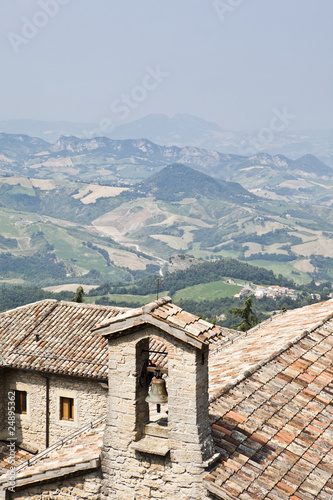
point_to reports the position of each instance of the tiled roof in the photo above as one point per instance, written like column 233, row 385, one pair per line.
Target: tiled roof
column 56, row 337
column 246, row 352
column 270, row 388
column 274, row 428
column 76, row 453
column 193, row 325
column 6, row 459
column 169, row 314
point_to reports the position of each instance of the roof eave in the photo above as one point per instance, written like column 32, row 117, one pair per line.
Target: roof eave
column 217, row 490
column 119, row 328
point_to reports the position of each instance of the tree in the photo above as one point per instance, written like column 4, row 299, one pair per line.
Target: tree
column 78, row 295
column 246, row 313
column 324, row 293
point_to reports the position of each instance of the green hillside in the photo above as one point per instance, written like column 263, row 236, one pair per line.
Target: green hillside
column 141, row 213
column 175, row 182
column 211, row 289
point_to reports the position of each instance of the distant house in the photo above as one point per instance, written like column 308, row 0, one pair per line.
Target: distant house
column 249, row 415
column 274, row 291
column 260, row 292
column 279, row 290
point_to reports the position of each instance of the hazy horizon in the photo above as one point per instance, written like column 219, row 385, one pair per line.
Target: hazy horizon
column 70, row 122
column 243, row 65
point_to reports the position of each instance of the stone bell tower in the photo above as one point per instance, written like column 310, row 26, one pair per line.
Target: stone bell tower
column 146, row 454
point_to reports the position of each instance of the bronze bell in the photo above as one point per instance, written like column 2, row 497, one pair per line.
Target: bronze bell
column 157, row 394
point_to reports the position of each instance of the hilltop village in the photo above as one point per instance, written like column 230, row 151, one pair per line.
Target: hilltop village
column 261, row 291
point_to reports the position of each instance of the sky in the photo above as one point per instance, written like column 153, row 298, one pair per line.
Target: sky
column 238, row 63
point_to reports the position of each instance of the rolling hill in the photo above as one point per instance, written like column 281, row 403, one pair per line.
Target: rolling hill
column 127, row 162
column 175, row 182
column 124, row 208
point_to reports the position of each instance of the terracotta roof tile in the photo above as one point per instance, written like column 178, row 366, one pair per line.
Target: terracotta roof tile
column 83, row 448
column 163, row 310
column 271, row 388
column 290, row 412
column 56, row 337
column 5, row 457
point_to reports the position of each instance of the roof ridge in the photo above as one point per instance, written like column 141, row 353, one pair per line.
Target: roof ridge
column 19, row 308
column 92, row 306
column 250, row 371
column 148, row 308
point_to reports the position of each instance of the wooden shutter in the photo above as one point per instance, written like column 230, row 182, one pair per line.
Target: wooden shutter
column 20, row 402
column 67, row 409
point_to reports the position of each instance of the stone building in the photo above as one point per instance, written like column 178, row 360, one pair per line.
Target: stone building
column 53, row 369
column 249, row 415
column 168, row 456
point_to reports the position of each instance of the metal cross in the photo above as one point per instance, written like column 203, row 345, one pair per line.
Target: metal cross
column 158, row 287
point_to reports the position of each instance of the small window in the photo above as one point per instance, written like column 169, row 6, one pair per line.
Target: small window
column 66, row 409
column 21, row 402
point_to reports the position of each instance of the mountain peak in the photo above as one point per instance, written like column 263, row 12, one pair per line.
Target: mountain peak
column 312, row 165
column 162, row 129
column 178, row 181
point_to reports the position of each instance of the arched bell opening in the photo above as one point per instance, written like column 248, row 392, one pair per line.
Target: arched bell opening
column 152, row 384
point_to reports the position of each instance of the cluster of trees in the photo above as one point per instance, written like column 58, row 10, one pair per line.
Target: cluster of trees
column 36, row 268
column 100, row 250
column 15, row 296
column 276, row 236
column 277, row 257
column 323, row 289
column 7, row 242
column 204, row 272
column 261, row 309
column 323, row 266
column 210, row 237
column 38, row 240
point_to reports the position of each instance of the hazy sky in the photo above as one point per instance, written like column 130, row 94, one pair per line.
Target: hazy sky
column 229, row 61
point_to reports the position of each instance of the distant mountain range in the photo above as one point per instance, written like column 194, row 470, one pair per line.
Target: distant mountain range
column 118, row 162
column 186, row 130
column 180, row 130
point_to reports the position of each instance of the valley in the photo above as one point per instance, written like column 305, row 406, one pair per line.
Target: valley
column 106, row 210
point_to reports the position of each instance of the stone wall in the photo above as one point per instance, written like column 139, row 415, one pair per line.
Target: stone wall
column 29, row 428
column 90, row 400
column 139, row 475
column 74, row 488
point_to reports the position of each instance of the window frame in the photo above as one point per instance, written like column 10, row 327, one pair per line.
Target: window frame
column 21, row 402
column 70, row 411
